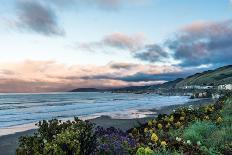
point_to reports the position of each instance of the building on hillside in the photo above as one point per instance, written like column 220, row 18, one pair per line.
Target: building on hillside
column 196, row 87
column 225, row 87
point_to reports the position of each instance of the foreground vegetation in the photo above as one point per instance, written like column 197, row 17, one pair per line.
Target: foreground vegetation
column 202, row 130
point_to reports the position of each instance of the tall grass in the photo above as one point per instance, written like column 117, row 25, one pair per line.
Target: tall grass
column 199, row 131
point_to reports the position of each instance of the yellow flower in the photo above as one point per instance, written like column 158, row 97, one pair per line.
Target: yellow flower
column 171, row 119
column 182, row 118
column 166, row 119
column 206, row 117
column 168, row 125
column 178, row 124
column 163, row 144
column 149, row 123
column 182, row 113
column 207, row 108
column 154, row 121
column 154, row 137
column 134, row 131
column 210, row 109
column 160, row 126
column 219, row 120
column 145, row 129
column 151, row 131
column 148, row 151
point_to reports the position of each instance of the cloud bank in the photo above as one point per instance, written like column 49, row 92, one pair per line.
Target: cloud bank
column 45, row 76
column 151, row 53
column 203, row 43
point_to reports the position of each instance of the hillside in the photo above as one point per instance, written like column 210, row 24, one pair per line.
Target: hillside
column 167, row 85
column 222, row 75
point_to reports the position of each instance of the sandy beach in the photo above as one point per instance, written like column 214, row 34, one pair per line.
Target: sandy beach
column 9, row 143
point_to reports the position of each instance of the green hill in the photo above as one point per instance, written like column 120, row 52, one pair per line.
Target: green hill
column 222, row 75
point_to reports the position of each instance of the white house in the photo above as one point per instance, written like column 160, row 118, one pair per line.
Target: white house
column 196, row 87
column 225, row 87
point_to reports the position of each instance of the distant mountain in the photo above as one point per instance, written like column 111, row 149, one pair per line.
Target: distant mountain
column 130, row 89
column 85, row 90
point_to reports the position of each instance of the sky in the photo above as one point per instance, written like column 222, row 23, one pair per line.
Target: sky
column 59, row 45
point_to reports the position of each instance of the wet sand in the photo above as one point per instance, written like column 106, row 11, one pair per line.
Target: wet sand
column 9, row 143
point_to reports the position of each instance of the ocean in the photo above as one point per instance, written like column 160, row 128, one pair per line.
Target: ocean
column 17, row 111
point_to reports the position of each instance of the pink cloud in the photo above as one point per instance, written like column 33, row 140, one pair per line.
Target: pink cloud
column 47, row 76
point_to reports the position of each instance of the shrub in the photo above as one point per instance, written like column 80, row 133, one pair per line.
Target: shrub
column 145, row 151
column 56, row 137
column 114, row 141
column 167, row 152
column 220, row 137
column 198, row 131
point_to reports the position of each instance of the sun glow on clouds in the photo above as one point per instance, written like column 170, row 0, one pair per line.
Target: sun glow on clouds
column 41, row 76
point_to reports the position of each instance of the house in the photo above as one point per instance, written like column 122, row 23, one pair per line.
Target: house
column 225, row 87
column 197, row 87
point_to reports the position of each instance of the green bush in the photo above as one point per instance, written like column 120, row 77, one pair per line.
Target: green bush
column 219, row 137
column 56, row 137
column 144, row 151
column 167, row 152
column 198, row 131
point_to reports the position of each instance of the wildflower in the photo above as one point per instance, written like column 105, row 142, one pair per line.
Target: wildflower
column 145, row 129
column 219, row 120
column 148, row 151
column 183, row 113
column 177, row 124
column 188, row 142
column 140, row 151
column 149, row 123
column 168, row 125
column 166, row 119
column 154, row 137
column 160, row 126
column 134, row 131
column 178, row 139
column 182, row 118
column 206, row 117
column 206, row 109
column 151, row 131
column 171, row 119
column 163, row 144
column 190, row 107
column 210, row 109
column 154, row 121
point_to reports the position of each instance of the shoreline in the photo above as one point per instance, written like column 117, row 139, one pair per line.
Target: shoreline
column 9, row 143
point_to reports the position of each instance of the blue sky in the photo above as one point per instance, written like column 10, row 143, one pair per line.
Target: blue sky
column 99, row 33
